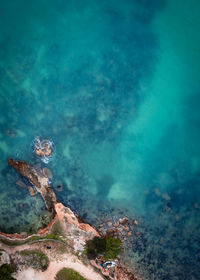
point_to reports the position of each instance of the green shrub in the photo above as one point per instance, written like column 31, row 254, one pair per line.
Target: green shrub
column 68, row 274
column 5, row 272
column 109, row 247
column 113, row 248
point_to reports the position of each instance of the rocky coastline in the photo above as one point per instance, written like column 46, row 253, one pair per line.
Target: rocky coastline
column 73, row 230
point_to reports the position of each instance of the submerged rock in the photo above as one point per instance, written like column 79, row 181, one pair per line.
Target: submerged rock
column 47, row 173
column 166, row 196
column 21, row 183
column 11, row 133
column 21, row 206
column 59, row 188
column 135, row 222
column 32, row 191
column 125, row 228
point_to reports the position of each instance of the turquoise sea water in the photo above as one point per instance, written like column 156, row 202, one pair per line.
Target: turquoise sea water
column 115, row 85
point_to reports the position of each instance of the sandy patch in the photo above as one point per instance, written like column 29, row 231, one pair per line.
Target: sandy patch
column 56, row 263
column 29, row 274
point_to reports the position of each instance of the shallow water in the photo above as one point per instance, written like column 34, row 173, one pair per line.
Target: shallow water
column 115, row 86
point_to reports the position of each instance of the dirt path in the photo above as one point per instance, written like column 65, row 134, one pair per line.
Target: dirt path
column 57, row 262
column 54, row 267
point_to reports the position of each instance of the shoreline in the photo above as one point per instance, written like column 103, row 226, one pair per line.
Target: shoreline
column 65, row 226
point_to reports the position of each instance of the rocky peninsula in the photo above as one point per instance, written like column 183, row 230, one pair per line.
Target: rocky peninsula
column 64, row 238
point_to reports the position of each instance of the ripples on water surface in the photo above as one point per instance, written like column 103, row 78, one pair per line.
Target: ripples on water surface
column 115, row 86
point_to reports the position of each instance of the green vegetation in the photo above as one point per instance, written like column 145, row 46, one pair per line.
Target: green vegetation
column 95, row 247
column 36, row 259
column 113, row 248
column 6, row 272
column 68, row 274
column 19, row 242
column 34, row 238
column 55, row 234
column 11, row 243
column 109, row 247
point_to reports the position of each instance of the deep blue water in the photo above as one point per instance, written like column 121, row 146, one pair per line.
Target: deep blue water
column 115, row 85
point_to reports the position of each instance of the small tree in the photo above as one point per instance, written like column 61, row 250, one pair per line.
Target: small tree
column 113, row 248
column 95, row 247
column 5, row 272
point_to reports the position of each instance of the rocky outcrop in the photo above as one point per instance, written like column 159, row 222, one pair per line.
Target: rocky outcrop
column 76, row 232
column 36, row 178
column 42, row 148
column 4, row 257
column 73, row 226
column 121, row 229
column 119, row 272
column 123, row 273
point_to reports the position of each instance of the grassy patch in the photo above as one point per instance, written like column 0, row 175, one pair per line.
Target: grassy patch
column 68, row 274
column 11, row 243
column 35, row 259
column 55, row 234
column 34, row 238
column 52, row 236
column 19, row 242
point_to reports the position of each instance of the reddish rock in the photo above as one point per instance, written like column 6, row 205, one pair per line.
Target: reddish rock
column 120, row 230
column 123, row 221
column 123, row 273
column 111, row 231
column 126, row 228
